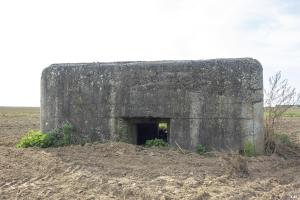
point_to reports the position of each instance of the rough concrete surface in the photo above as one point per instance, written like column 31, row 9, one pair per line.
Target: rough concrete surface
column 217, row 103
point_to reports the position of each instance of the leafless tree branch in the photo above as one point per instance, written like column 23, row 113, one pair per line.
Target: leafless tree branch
column 279, row 97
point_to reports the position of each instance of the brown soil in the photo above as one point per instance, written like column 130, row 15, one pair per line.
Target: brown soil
column 124, row 171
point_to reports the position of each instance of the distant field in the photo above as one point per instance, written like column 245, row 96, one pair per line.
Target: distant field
column 19, row 111
column 290, row 124
column 293, row 112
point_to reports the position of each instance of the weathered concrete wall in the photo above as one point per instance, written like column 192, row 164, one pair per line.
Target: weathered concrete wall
column 217, row 103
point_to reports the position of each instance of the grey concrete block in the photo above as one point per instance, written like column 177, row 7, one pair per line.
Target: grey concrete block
column 204, row 101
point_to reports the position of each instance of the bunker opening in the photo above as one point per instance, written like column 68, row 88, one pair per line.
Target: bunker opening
column 143, row 129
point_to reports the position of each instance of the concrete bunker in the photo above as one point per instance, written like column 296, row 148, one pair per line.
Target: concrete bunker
column 217, row 103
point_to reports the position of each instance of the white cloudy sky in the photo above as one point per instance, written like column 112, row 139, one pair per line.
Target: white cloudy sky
column 36, row 33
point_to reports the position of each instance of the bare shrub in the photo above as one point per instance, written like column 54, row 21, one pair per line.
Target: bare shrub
column 279, row 97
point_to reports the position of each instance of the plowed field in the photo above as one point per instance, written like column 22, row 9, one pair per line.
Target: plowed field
column 124, row 171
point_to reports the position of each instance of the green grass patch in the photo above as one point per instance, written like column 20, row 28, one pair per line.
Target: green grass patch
column 35, row 139
column 200, row 149
column 249, row 149
column 55, row 138
column 283, row 139
column 156, row 143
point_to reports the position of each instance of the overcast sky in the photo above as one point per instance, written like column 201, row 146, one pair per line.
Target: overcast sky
column 37, row 33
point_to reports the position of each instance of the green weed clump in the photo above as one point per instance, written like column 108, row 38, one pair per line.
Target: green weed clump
column 35, row 139
column 284, row 139
column 200, row 149
column 156, row 143
column 55, row 138
column 249, row 149
column 68, row 137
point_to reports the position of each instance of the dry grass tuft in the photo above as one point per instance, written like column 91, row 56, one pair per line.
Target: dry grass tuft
column 238, row 165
